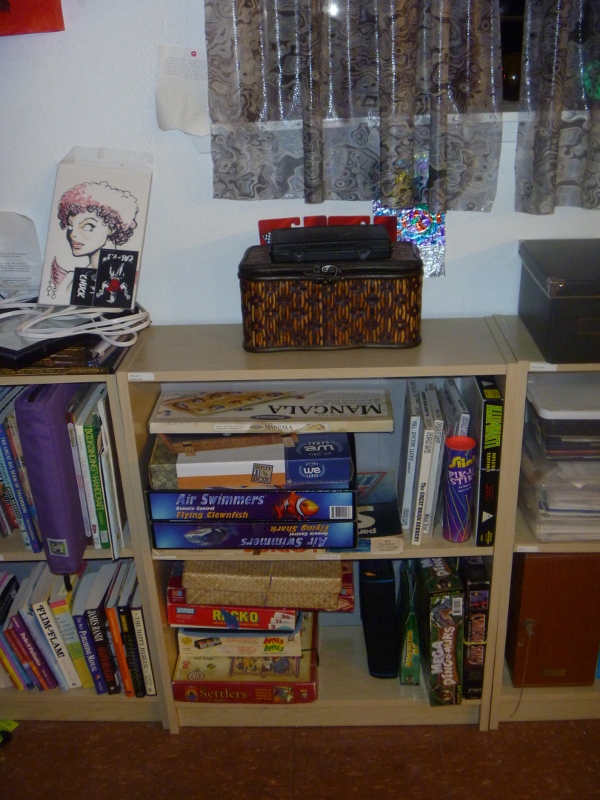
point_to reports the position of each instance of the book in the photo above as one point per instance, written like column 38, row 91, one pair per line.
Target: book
column 474, row 574
column 111, row 480
column 425, row 455
column 40, row 414
column 114, row 626
column 61, row 603
column 10, row 478
column 409, row 450
column 72, row 405
column 86, row 423
column 455, row 408
column 32, row 652
column 251, row 412
column 83, row 629
column 486, row 406
column 378, row 515
column 139, row 626
column 16, row 477
column 128, row 632
column 30, row 619
column 271, row 680
column 40, row 605
column 437, row 454
column 9, row 592
column 96, row 620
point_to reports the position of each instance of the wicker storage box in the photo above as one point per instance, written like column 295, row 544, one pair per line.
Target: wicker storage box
column 331, row 305
column 289, row 584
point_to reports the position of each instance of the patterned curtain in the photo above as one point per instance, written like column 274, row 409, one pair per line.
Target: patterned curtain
column 558, row 141
column 394, row 100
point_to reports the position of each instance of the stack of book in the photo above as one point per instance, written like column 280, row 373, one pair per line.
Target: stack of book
column 82, row 630
column 86, row 468
column 433, row 411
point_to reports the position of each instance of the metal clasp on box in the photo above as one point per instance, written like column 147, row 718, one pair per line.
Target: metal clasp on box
column 326, row 274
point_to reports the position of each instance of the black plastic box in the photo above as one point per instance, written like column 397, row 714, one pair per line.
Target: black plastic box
column 559, row 298
column 330, row 243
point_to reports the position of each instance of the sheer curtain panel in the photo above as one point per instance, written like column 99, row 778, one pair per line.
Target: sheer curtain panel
column 558, row 141
column 395, row 100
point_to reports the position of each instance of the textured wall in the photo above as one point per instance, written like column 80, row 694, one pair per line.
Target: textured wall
column 93, row 85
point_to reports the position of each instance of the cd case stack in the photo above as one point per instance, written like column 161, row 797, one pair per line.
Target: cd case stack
column 559, row 489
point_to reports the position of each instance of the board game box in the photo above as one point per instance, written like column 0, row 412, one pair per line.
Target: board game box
column 474, row 574
column 225, row 411
column 440, row 615
column 271, row 680
column 284, row 534
column 246, row 505
column 195, row 642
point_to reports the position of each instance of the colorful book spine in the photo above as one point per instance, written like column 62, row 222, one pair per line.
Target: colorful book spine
column 22, row 631
column 137, row 616
column 112, row 619
column 26, row 513
column 34, row 627
column 24, row 659
column 91, row 430
column 52, row 632
column 12, row 505
column 12, row 665
column 131, row 650
column 68, row 630
column 96, row 620
column 89, row 652
column 76, row 460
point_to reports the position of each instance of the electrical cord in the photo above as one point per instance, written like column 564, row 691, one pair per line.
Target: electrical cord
column 529, row 626
column 120, row 331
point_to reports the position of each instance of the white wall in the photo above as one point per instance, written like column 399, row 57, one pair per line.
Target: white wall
column 93, row 85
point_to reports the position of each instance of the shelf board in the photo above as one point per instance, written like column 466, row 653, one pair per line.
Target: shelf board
column 430, row 548
column 175, row 353
column 12, row 549
column 76, row 705
column 552, row 703
column 526, row 542
column 348, row 695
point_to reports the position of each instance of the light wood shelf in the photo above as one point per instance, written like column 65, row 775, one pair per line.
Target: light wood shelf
column 213, row 354
column 553, row 702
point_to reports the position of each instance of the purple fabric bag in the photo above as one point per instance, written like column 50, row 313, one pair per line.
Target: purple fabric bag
column 42, row 422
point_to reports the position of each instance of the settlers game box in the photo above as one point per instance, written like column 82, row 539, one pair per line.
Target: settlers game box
column 440, row 615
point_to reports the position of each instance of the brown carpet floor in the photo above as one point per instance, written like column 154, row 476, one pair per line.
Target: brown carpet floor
column 127, row 761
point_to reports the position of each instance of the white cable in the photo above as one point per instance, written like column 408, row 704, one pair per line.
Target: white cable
column 121, row 332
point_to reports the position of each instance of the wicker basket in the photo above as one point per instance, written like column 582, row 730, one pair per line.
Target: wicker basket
column 338, row 305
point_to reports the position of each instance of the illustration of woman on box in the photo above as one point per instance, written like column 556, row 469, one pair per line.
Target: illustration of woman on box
column 97, row 218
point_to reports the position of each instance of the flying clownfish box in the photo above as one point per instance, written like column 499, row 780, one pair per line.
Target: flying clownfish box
column 96, row 233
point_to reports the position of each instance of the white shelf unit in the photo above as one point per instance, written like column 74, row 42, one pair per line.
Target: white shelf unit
column 75, row 704
column 214, row 354
column 555, row 703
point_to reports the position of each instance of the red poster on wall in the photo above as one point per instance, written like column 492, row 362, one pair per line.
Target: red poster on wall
column 30, row 16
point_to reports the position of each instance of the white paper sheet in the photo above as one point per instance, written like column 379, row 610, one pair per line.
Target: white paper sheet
column 20, row 255
column 182, row 90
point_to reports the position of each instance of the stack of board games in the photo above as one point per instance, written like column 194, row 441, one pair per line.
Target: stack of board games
column 269, row 679
column 301, row 495
column 440, row 615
